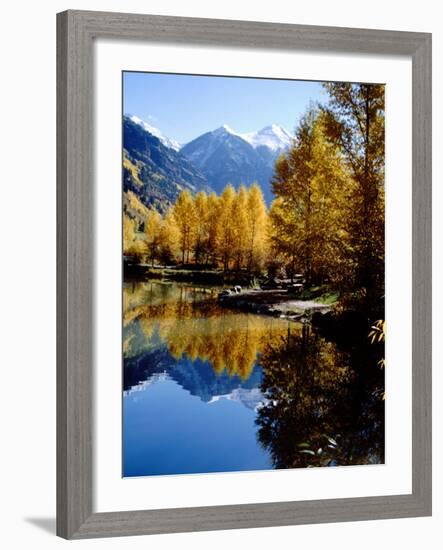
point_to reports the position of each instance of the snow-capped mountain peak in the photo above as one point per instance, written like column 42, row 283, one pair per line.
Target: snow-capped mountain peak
column 226, row 156
column 273, row 136
column 168, row 142
column 225, row 129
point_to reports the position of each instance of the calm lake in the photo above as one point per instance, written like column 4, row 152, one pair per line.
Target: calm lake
column 207, row 389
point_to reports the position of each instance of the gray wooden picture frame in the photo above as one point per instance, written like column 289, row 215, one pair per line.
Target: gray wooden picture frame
column 76, row 32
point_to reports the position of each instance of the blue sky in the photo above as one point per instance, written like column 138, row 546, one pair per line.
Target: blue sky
column 185, row 106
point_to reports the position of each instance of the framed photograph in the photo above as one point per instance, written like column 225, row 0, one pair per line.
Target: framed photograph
column 244, row 274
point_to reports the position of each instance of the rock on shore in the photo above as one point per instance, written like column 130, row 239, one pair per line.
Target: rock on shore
column 277, row 303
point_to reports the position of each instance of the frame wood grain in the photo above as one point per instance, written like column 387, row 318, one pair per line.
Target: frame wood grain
column 76, row 32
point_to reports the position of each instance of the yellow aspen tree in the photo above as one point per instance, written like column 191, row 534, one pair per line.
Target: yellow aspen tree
column 132, row 244
column 239, row 226
column 226, row 235
column 256, row 228
column 355, row 121
column 128, row 233
column 313, row 186
column 201, row 214
column 153, row 227
column 282, row 236
column 169, row 238
column 185, row 217
column 212, row 227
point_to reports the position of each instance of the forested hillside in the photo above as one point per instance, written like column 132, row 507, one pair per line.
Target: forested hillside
column 153, row 172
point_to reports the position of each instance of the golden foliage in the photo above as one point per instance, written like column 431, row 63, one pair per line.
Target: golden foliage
column 185, row 217
column 133, row 168
column 133, row 206
column 328, row 217
column 229, row 230
column 354, row 121
column 229, row 341
column 133, row 244
column 377, row 332
column 307, row 220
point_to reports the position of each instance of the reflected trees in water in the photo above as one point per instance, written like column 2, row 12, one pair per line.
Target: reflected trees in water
column 319, row 394
column 322, row 406
column 200, row 329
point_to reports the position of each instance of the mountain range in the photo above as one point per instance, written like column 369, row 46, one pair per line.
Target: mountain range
column 154, row 172
column 197, row 377
column 224, row 156
column 157, row 168
column 171, row 143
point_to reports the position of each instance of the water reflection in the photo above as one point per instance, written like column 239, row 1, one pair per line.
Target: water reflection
column 248, row 392
column 323, row 404
column 191, row 324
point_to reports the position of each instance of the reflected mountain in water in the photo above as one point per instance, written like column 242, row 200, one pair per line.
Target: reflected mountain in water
column 197, row 377
column 252, row 399
column 208, row 351
column 211, row 390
